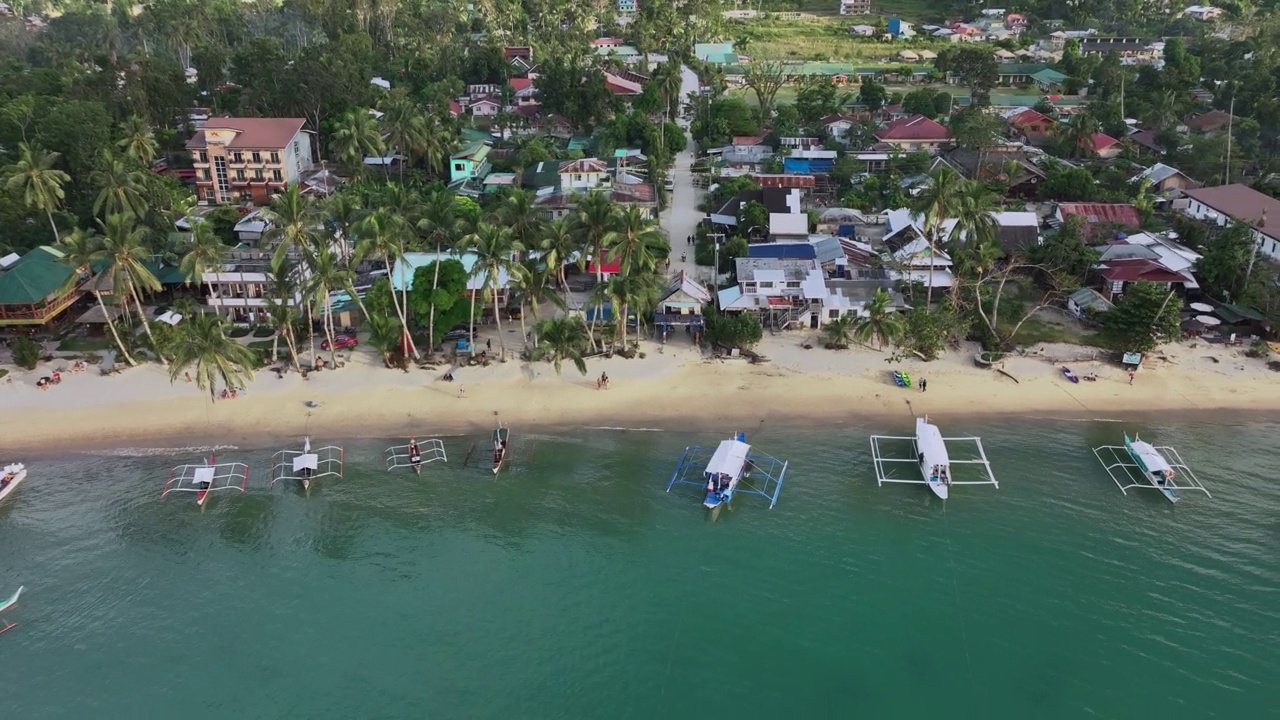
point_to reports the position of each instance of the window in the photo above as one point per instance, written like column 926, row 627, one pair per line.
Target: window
column 257, row 156
column 749, row 287
column 793, row 284
column 833, row 314
column 459, row 167
column 202, row 156
column 257, row 176
column 203, row 174
column 275, row 157
column 295, row 148
column 240, row 175
column 237, row 157
column 277, row 176
column 766, row 284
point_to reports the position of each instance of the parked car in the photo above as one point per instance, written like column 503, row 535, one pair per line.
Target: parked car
column 453, row 335
column 340, row 342
column 670, row 184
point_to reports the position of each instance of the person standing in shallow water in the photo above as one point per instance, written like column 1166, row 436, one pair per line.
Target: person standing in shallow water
column 923, row 384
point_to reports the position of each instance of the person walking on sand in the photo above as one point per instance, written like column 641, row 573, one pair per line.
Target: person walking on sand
column 462, row 390
column 1130, row 377
column 923, row 384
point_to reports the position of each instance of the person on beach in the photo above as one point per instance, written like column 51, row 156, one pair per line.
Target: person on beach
column 488, row 345
column 604, row 380
column 923, row 384
column 462, row 390
column 1130, row 377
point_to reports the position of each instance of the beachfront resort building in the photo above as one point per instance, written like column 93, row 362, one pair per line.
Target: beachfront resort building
column 248, row 159
column 36, row 288
column 477, row 283
column 802, row 284
column 1225, row 204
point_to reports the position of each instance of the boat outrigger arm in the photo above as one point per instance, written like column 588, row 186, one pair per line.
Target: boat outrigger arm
column 885, row 461
column 307, row 464
column 749, row 473
column 208, row 477
column 429, row 451
column 1125, row 465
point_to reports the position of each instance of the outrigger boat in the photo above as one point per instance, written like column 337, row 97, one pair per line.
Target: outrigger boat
column 306, row 465
column 207, row 478
column 501, row 441
column 731, row 469
column 14, row 473
column 1156, row 467
column 416, row 454
column 5, row 605
column 931, row 457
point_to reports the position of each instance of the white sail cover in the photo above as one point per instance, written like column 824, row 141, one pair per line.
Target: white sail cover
column 729, row 458
column 929, row 441
column 1150, row 457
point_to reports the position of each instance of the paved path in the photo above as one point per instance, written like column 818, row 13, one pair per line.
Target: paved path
column 682, row 215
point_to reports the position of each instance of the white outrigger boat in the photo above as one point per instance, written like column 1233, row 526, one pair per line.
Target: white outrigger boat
column 306, row 465
column 206, row 478
column 931, row 457
column 416, row 454
column 1151, row 467
column 501, row 442
column 14, row 474
column 731, row 469
column 5, row 605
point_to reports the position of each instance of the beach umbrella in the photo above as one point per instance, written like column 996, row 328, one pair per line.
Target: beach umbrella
column 1201, row 307
column 1208, row 320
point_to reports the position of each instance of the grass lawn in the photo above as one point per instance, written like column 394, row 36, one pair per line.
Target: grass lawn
column 262, row 344
column 826, row 40
column 3, row 373
column 85, row 344
column 1036, row 331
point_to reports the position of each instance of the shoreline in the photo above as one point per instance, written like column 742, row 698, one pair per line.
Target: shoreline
column 674, row 389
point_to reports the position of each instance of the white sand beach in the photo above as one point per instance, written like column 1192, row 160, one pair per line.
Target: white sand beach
column 674, row 387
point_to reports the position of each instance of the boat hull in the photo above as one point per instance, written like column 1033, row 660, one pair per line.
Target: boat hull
column 11, row 601
column 13, row 484
column 939, row 488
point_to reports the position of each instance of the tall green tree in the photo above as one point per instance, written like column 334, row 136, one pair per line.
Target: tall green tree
column 125, row 252
column 382, row 235
column 326, row 272
column 39, row 182
column 561, row 339
column 1145, row 316
column 595, row 217
column 204, row 253
column 496, row 252
column 138, row 142
column 356, row 136
column 938, row 201
column 881, row 323
column 635, row 243
column 80, row 250
column 119, row 187
column 201, row 342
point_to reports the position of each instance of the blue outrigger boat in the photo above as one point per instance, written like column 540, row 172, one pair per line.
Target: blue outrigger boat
column 730, row 469
column 1147, row 466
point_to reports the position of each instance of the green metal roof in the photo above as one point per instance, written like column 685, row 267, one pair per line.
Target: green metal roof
column 471, row 135
column 475, row 152
column 1020, row 68
column 1048, row 75
column 579, row 143
column 37, row 276
column 1233, row 314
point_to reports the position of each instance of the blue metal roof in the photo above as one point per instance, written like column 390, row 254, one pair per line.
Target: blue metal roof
column 783, row 251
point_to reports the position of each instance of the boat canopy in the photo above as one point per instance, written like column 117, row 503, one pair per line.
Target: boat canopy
column 1150, row 457
column 729, row 458
column 929, row 441
column 306, row 461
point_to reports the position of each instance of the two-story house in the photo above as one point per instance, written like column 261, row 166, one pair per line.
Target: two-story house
column 914, row 132
column 248, row 159
column 1240, row 203
column 469, row 162
column 584, row 174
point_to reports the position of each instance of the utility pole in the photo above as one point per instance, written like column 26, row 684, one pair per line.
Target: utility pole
column 1231, row 115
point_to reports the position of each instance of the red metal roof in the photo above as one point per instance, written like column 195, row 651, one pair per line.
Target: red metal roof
column 518, row 84
column 1138, row 269
column 1121, row 213
column 1101, row 141
column 913, row 127
column 1027, row 117
column 251, row 133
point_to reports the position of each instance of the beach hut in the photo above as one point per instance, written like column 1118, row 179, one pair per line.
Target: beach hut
column 909, row 56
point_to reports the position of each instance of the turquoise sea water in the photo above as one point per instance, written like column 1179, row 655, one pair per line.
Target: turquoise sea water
column 574, row 587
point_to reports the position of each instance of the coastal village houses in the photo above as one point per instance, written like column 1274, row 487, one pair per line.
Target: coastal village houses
column 36, row 288
column 248, row 159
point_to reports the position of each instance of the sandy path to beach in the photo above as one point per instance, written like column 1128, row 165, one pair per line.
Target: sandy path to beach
column 674, row 387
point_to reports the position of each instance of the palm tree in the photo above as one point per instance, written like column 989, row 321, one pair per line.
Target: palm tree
column 201, row 342
column 521, row 216
column 436, row 145
column 327, row 273
column 559, row 245
column 124, row 249
column 881, row 322
column 80, row 251
column 203, row 255
column 496, row 251
column 636, row 294
column 562, row 339
column 440, row 226
column 406, row 126
column 138, row 142
column 355, row 137
column 594, row 219
column 838, row 333
column 535, row 285
column 937, row 202
column 294, row 219
column 40, row 183
column 1080, row 133
column 282, row 308
column 382, row 235
column 384, row 336
column 636, row 243
column 118, row 187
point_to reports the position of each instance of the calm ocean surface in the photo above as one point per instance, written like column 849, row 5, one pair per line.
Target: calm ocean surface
column 574, row 587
